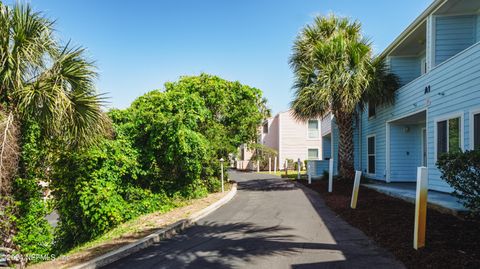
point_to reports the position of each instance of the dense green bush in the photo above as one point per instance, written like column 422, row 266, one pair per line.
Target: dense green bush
column 90, row 189
column 462, row 171
column 33, row 233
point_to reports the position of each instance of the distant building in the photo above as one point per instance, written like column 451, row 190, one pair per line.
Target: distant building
column 292, row 139
column 437, row 108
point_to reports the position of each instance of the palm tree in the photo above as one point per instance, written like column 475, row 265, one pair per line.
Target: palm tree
column 41, row 80
column 335, row 72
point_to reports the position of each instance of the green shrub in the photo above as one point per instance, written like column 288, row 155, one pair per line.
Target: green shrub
column 461, row 170
column 90, row 190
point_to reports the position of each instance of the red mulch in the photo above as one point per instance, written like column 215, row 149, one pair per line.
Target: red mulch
column 451, row 242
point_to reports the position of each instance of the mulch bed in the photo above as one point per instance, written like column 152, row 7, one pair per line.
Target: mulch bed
column 451, row 242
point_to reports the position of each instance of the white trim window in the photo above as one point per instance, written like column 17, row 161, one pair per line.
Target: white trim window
column 313, row 129
column 372, row 111
column 313, row 153
column 475, row 130
column 449, row 134
column 371, row 154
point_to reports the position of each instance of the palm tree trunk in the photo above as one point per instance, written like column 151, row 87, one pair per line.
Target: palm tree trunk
column 345, row 145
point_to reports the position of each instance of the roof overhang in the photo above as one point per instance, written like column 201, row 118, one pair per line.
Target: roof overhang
column 413, row 26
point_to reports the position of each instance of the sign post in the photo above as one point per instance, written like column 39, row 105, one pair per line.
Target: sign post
column 309, row 171
column 298, row 168
column 330, row 175
column 356, row 185
column 221, row 172
column 420, row 208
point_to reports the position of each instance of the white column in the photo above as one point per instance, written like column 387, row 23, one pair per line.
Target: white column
column 269, row 165
column 430, row 43
column 420, row 208
column 258, row 166
column 275, row 165
column 330, row 175
column 356, row 186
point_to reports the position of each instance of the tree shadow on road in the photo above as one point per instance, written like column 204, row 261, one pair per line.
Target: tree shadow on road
column 267, row 184
column 213, row 245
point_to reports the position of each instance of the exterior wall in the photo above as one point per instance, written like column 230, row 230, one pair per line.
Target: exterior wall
column 245, row 163
column 478, row 28
column 406, row 68
column 454, row 88
column 326, row 147
column 326, row 124
column 294, row 139
column 270, row 139
column 405, row 151
column 453, row 34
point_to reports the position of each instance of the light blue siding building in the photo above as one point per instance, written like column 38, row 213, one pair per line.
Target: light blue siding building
column 437, row 108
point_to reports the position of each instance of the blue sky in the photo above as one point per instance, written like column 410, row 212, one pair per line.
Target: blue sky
column 139, row 45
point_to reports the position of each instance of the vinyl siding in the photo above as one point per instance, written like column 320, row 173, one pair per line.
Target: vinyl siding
column 453, row 34
column 455, row 88
column 326, row 147
column 406, row 68
column 478, row 28
column 294, row 139
column 405, row 151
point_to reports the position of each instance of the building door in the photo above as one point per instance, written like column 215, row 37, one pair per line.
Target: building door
column 424, row 147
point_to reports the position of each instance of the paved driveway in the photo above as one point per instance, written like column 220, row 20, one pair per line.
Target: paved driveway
column 270, row 223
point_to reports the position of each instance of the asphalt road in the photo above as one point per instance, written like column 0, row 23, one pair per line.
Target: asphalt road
column 270, row 223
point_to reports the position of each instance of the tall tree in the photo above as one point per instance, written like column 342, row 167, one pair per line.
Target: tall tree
column 43, row 81
column 335, row 72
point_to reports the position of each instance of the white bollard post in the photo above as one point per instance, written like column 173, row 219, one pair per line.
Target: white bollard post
column 356, row 186
column 309, row 172
column 221, row 169
column 258, row 166
column 269, row 165
column 298, row 168
column 275, row 166
column 330, row 175
column 421, row 208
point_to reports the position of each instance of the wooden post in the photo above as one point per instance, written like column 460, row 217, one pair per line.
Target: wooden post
column 421, row 208
column 258, row 166
column 269, row 165
column 330, row 175
column 356, row 185
column 298, row 168
column 275, row 165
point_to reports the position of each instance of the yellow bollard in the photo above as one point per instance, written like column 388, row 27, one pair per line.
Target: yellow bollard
column 421, row 208
column 356, row 186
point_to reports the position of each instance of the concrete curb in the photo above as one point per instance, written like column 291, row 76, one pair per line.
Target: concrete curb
column 157, row 236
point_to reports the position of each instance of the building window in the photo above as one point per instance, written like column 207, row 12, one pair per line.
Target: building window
column 476, row 131
column 313, row 130
column 313, row 154
column 449, row 135
column 371, row 154
column 265, row 128
column 372, row 110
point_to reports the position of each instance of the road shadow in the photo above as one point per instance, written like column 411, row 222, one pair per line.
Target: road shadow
column 213, row 245
column 267, row 184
